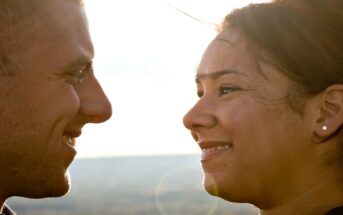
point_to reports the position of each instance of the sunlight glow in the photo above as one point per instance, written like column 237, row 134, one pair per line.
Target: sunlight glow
column 146, row 56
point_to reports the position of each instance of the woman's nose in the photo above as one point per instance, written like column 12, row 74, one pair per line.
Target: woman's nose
column 200, row 116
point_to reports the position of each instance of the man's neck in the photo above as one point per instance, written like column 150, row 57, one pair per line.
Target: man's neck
column 2, row 203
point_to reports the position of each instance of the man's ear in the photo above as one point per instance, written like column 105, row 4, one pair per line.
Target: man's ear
column 331, row 113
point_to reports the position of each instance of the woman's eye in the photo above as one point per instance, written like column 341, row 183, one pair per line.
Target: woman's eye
column 227, row 89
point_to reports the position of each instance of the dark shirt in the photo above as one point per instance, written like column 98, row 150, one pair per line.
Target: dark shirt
column 336, row 211
column 7, row 211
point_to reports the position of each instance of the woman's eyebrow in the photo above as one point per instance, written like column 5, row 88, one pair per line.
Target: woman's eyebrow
column 217, row 74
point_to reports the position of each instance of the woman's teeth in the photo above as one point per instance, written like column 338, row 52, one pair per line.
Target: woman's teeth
column 216, row 148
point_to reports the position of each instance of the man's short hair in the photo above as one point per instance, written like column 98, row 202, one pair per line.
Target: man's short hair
column 17, row 30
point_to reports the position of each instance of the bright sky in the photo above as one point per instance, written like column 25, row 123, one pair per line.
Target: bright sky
column 146, row 57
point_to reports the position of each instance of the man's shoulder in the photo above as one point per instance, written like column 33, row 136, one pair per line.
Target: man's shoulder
column 335, row 211
column 7, row 211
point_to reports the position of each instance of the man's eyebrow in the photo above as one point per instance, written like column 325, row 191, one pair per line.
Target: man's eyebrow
column 217, row 74
column 79, row 62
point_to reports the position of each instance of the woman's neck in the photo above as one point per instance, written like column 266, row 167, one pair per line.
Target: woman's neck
column 315, row 201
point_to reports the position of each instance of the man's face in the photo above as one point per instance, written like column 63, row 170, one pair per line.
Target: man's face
column 45, row 106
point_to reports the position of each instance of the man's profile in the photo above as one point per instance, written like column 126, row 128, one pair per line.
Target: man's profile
column 48, row 92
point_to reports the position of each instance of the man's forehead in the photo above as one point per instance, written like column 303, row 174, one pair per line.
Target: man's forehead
column 58, row 28
column 21, row 9
column 22, row 16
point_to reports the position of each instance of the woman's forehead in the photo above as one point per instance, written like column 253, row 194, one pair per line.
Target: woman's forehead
column 230, row 35
column 225, row 52
column 229, row 51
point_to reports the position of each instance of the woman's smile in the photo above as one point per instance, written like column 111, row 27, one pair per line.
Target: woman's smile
column 212, row 149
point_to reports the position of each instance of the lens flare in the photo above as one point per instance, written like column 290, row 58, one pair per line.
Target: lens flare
column 172, row 186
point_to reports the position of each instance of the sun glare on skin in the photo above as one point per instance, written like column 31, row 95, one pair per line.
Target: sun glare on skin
column 146, row 54
column 209, row 11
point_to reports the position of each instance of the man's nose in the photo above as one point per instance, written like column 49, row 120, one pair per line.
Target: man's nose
column 199, row 116
column 94, row 104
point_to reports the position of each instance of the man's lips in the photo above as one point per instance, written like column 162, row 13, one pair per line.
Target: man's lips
column 68, row 144
column 69, row 140
column 69, row 137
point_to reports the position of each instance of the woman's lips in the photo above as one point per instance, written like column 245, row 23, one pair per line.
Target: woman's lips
column 213, row 148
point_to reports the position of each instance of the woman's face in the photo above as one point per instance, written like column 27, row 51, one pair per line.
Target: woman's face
column 254, row 145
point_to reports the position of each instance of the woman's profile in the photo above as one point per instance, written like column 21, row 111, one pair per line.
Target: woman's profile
column 270, row 110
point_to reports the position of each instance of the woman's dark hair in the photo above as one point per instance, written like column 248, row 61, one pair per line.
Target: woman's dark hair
column 302, row 38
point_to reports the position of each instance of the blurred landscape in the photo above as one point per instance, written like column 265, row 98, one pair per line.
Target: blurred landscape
column 150, row 185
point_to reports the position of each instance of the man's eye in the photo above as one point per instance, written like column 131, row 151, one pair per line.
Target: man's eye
column 227, row 89
column 78, row 76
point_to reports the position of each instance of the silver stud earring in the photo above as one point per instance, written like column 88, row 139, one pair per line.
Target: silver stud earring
column 324, row 128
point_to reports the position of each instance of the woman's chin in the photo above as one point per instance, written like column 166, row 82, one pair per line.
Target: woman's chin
column 211, row 185
column 224, row 190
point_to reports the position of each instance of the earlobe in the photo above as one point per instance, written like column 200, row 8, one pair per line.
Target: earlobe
column 324, row 128
column 330, row 120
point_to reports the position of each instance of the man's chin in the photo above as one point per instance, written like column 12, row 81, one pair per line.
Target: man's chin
column 53, row 189
column 59, row 189
column 59, row 193
column 55, row 192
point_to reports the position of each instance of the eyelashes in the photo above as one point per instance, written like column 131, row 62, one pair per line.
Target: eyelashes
column 228, row 89
column 222, row 90
column 77, row 76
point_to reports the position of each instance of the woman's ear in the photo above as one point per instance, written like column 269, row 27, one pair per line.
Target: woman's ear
column 331, row 113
